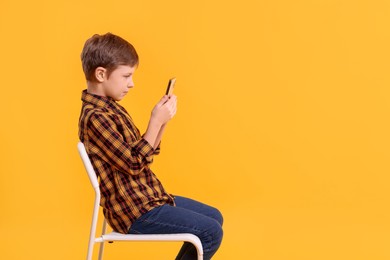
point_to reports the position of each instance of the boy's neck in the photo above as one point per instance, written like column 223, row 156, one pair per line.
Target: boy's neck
column 95, row 89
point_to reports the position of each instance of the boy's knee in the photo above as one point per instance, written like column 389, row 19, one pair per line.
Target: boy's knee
column 213, row 239
column 220, row 218
column 219, row 234
column 217, row 215
column 216, row 232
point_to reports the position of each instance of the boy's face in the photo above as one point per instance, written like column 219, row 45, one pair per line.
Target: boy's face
column 119, row 82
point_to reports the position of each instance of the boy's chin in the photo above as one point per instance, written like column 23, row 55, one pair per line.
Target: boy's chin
column 118, row 98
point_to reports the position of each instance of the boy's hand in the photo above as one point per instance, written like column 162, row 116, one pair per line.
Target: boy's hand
column 165, row 110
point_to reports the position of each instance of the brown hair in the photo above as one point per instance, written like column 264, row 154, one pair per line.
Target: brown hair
column 107, row 51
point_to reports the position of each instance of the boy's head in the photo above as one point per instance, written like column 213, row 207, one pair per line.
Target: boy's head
column 107, row 51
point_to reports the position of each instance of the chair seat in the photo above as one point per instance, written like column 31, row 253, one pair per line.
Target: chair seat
column 115, row 236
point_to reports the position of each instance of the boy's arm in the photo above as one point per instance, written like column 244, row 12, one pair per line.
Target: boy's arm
column 159, row 137
column 109, row 144
column 157, row 143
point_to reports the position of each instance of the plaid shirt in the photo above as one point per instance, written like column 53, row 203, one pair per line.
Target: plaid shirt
column 121, row 159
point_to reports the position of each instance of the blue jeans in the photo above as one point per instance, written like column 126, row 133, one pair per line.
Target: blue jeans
column 189, row 216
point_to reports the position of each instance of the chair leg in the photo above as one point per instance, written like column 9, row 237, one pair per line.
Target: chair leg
column 91, row 241
column 101, row 249
column 90, row 250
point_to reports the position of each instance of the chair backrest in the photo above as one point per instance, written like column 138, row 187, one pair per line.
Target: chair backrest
column 88, row 165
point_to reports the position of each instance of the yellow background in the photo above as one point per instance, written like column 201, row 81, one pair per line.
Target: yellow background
column 283, row 122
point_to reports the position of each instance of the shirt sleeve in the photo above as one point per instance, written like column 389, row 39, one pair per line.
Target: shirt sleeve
column 157, row 150
column 109, row 144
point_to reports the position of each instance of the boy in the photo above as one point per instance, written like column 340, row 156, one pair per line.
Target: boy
column 133, row 199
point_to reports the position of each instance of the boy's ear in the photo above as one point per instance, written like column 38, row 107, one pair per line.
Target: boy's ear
column 100, row 74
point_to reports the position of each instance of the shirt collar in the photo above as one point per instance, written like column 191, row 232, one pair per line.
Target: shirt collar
column 97, row 100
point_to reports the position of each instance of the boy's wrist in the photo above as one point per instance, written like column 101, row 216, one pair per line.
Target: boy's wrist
column 154, row 122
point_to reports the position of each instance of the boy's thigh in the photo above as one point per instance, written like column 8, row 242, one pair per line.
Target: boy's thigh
column 169, row 220
column 199, row 207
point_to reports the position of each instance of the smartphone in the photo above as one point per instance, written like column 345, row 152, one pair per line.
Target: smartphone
column 171, row 86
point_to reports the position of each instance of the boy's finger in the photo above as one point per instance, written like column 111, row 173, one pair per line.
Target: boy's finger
column 172, row 99
column 163, row 100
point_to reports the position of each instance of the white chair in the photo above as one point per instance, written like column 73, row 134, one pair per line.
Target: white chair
column 114, row 236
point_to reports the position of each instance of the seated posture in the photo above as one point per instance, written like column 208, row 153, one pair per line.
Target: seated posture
column 133, row 199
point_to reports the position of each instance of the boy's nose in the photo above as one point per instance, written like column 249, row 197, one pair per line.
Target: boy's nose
column 130, row 85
